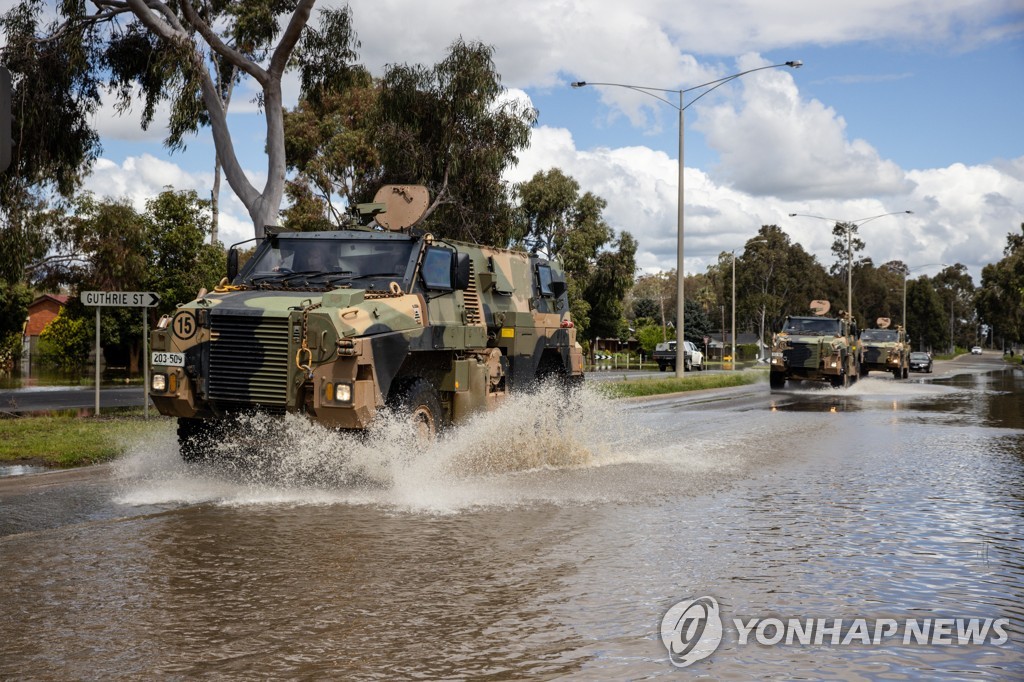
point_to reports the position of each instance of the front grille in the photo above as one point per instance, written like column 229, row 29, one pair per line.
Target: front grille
column 802, row 355
column 248, row 360
column 874, row 355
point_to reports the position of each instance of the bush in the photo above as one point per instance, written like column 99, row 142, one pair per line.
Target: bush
column 10, row 351
column 66, row 342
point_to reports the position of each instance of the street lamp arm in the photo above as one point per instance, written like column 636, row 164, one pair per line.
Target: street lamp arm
column 858, row 221
column 795, row 64
column 717, row 83
column 639, row 88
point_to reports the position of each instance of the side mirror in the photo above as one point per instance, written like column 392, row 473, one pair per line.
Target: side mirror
column 558, row 287
column 460, row 275
column 232, row 264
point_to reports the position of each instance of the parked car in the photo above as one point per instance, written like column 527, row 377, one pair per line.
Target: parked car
column 976, row 350
column 665, row 356
column 920, row 362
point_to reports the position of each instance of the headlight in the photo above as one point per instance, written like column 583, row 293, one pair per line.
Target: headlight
column 338, row 393
column 159, row 382
column 834, row 364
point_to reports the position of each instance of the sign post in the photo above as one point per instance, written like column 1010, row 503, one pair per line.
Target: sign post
column 123, row 299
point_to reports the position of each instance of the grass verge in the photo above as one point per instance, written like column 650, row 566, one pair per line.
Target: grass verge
column 70, row 441
column 636, row 388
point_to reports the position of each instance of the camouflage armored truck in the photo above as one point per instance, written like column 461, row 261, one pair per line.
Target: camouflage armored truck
column 885, row 349
column 341, row 324
column 815, row 348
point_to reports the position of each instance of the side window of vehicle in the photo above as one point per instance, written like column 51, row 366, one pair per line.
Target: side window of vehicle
column 437, row 268
column 544, row 280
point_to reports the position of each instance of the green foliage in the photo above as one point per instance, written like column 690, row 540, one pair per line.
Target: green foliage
column 610, row 279
column 1001, row 294
column 649, row 336
column 327, row 140
column 10, row 351
column 66, row 342
column 697, row 325
column 14, row 301
column 180, row 262
column 637, row 388
column 448, row 128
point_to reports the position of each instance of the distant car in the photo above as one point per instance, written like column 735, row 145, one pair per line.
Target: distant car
column 920, row 362
column 976, row 350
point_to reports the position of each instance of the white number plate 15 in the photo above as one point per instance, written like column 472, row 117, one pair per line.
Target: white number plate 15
column 169, row 359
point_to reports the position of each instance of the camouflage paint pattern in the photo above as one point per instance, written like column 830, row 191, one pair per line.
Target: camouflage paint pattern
column 814, row 349
column 888, row 356
column 335, row 353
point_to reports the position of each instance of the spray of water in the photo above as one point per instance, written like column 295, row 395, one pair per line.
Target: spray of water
column 267, row 459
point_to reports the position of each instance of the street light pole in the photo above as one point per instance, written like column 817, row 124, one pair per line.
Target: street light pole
column 850, row 225
column 681, row 107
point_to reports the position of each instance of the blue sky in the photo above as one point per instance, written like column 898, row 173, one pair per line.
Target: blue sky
column 900, row 105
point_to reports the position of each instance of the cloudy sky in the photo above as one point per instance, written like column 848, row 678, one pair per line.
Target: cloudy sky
column 900, row 105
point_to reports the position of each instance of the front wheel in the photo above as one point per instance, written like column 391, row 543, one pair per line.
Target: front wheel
column 417, row 399
column 777, row 380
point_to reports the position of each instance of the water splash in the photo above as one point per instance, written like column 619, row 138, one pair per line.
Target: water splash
column 265, row 459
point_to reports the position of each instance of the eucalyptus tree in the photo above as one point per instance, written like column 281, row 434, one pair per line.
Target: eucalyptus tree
column 452, row 128
column 1000, row 298
column 187, row 53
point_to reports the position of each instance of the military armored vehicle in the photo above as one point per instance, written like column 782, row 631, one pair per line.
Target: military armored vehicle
column 815, row 348
column 885, row 349
column 339, row 325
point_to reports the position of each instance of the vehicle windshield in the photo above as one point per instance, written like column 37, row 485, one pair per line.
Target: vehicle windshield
column 325, row 263
column 918, row 356
column 812, row 325
column 880, row 335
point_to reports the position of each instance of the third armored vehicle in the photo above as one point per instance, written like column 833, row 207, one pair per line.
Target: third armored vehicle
column 815, row 348
column 339, row 325
column 885, row 349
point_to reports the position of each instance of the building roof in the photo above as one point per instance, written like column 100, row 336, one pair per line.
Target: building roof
column 62, row 299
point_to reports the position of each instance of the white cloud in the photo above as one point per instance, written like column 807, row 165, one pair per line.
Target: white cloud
column 961, row 214
column 539, row 40
column 777, row 144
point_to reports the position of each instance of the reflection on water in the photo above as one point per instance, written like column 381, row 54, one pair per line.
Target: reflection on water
column 547, row 544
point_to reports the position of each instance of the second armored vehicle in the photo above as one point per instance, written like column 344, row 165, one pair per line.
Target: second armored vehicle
column 815, row 348
column 884, row 349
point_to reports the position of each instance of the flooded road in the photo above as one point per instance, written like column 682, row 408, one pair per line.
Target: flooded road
column 539, row 543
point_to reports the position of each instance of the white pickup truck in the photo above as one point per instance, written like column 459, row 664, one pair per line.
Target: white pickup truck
column 665, row 356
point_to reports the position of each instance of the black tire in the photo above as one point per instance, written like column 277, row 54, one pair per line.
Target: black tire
column 906, row 372
column 197, row 439
column 417, row 398
column 776, row 380
column 661, row 367
column 897, row 373
column 687, row 365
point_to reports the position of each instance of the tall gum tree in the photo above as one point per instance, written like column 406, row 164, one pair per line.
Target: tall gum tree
column 191, row 53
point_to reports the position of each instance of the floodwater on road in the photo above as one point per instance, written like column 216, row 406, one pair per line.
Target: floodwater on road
column 540, row 542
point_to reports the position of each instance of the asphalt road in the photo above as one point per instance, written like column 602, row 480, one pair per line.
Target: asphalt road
column 42, row 398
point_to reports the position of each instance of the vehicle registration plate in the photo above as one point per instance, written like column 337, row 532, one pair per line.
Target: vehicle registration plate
column 168, row 359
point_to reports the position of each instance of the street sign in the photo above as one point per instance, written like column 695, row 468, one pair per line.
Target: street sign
column 124, row 299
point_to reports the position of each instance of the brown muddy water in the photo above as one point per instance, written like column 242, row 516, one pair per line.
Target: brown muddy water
column 538, row 543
